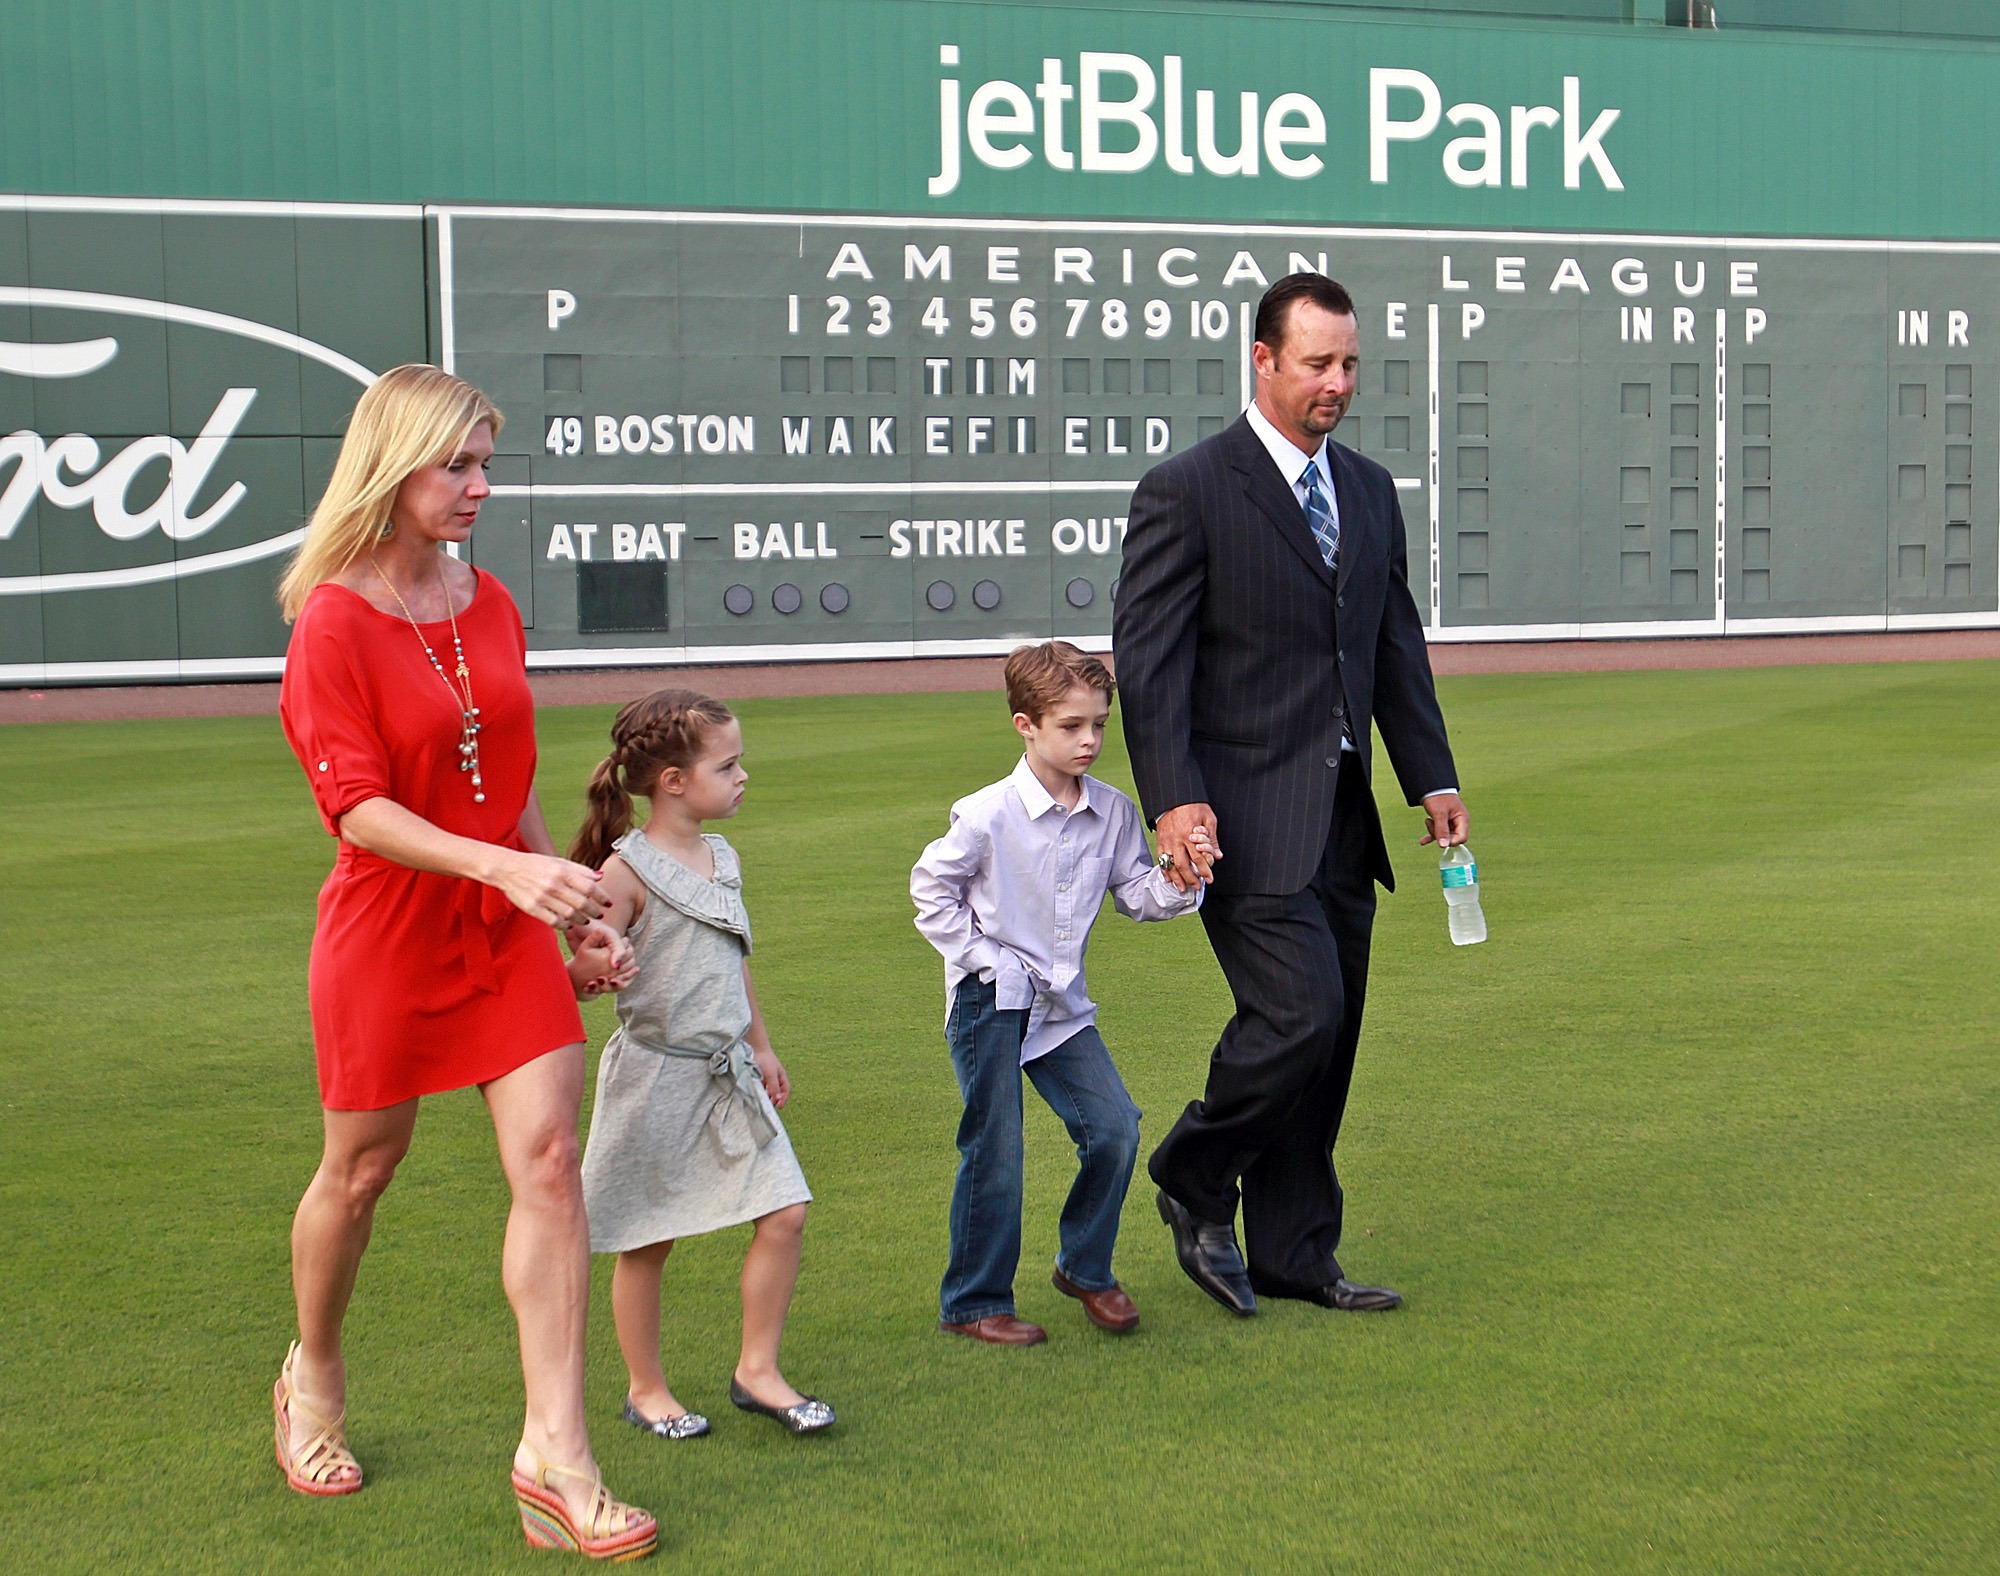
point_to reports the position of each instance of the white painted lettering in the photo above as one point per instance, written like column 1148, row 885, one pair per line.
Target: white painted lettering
column 1522, row 120
column 1242, row 270
column 934, row 265
column 1589, row 146
column 1294, row 120
column 1486, row 144
column 1096, row 113
column 1383, row 130
column 998, row 109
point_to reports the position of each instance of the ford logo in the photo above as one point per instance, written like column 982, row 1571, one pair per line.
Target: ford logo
column 72, row 472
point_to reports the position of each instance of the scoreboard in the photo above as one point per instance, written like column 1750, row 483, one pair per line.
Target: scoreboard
column 737, row 437
column 755, row 437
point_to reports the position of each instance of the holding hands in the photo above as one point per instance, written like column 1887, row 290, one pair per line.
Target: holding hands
column 1188, row 846
column 601, row 960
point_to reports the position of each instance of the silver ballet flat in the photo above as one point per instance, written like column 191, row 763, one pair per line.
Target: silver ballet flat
column 689, row 1425
column 809, row 1416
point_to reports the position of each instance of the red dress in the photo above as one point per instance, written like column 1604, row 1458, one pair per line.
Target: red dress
column 419, row 982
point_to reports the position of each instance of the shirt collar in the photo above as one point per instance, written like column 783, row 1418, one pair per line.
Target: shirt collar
column 1290, row 459
column 1036, row 799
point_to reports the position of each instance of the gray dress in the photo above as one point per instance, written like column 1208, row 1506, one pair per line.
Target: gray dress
column 683, row 1138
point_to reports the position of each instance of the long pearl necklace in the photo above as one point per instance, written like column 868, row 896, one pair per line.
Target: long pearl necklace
column 461, row 692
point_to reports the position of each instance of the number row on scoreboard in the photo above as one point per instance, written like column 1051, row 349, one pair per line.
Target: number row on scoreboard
column 985, row 317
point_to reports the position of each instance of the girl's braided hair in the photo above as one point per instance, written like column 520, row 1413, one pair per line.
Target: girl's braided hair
column 666, row 728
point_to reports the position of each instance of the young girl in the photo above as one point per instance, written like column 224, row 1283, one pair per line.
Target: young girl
column 685, row 1137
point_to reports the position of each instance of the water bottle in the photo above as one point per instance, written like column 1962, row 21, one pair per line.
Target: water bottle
column 1460, row 876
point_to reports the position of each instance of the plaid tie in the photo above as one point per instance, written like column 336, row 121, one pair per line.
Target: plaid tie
column 1319, row 515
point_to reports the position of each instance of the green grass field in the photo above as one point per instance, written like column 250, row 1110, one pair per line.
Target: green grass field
column 1691, row 1176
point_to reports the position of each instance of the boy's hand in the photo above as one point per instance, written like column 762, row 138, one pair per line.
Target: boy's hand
column 776, row 1084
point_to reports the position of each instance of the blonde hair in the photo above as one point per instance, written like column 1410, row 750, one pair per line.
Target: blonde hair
column 408, row 418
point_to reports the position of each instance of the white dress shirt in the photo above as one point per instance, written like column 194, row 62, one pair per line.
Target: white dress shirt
column 1009, row 894
column 1293, row 462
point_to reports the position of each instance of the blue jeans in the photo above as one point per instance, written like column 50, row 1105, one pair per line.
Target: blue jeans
column 1084, row 1089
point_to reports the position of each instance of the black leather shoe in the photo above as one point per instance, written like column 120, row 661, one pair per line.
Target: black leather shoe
column 1208, row 1253
column 1338, row 1293
column 1350, row 1298
column 1343, row 1295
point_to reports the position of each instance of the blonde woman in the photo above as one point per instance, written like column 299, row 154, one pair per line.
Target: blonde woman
column 435, row 964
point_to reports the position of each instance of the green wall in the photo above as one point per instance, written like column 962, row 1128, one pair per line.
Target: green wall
column 832, row 105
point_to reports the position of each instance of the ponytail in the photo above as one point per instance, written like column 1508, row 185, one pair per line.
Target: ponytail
column 607, row 815
column 667, row 728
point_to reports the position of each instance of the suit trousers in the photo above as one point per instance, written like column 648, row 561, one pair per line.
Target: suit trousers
column 1264, row 1130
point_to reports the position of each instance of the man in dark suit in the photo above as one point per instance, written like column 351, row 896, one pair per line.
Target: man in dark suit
column 1263, row 622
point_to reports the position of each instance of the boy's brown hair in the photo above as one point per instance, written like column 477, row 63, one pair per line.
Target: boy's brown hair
column 1039, row 676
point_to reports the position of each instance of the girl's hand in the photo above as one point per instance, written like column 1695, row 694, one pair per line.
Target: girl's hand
column 602, row 960
column 552, row 890
column 776, row 1084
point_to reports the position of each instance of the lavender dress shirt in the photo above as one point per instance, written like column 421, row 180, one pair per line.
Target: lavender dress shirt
column 1010, row 892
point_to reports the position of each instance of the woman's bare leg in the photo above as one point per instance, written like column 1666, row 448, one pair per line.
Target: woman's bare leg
column 545, row 1265
column 770, row 1271
column 635, row 1307
column 329, row 1235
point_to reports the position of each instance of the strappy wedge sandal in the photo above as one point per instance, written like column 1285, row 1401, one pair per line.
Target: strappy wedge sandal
column 316, row 1467
column 610, row 1530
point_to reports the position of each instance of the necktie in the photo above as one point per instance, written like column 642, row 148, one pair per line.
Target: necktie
column 1319, row 515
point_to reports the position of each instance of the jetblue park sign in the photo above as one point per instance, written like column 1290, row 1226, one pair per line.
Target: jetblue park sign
column 1115, row 113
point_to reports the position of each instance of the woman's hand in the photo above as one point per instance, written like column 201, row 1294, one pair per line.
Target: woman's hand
column 554, row 891
column 776, row 1084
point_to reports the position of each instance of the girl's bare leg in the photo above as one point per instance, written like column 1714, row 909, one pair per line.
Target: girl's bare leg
column 770, row 1271
column 635, row 1308
column 329, row 1234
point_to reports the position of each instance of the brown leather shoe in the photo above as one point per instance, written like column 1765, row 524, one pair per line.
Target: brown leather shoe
column 999, row 1329
column 1109, row 1309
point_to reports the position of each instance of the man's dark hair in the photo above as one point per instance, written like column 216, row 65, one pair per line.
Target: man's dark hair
column 1275, row 310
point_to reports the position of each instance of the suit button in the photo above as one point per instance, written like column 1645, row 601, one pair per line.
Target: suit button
column 1340, row 601
column 1333, row 761
column 1341, row 655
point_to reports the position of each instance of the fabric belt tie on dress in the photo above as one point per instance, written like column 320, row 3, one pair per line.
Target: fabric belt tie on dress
column 480, row 909
column 735, row 1069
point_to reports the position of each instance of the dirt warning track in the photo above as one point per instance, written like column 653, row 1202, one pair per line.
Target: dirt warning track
column 920, row 675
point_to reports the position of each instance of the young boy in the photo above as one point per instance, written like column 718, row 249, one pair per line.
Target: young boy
column 1008, row 895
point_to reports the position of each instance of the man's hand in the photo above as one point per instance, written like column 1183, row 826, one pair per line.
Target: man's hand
column 1187, row 833
column 1446, row 819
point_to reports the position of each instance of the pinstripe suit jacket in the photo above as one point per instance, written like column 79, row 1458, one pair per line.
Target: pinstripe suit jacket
column 1238, row 656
